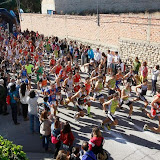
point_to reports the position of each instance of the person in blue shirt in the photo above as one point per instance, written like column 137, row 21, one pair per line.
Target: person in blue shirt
column 90, row 53
column 86, row 154
column 13, row 102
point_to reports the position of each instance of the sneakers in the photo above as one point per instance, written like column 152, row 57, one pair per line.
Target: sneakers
column 141, row 109
column 89, row 115
column 17, row 123
column 102, row 125
column 75, row 115
column 26, row 119
column 145, row 128
column 68, row 107
column 108, row 127
column 129, row 118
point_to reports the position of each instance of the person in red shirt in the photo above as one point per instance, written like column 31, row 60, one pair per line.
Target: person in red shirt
column 69, row 68
column 56, row 69
column 88, row 89
column 52, row 62
column 67, row 137
column 76, row 80
column 96, row 141
column 155, row 111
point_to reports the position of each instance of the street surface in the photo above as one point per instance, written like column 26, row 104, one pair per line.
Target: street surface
column 127, row 141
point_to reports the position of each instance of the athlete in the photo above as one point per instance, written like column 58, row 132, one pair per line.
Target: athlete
column 88, row 90
column 43, row 83
column 141, row 95
column 125, row 99
column 76, row 79
column 111, row 85
column 51, row 93
column 155, row 111
column 119, row 79
column 69, row 86
column 112, row 106
column 98, row 88
column 80, row 96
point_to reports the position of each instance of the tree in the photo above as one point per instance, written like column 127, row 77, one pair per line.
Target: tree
column 31, row 6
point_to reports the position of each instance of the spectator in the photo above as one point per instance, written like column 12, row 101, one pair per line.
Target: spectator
column 62, row 155
column 96, row 141
column 144, row 71
column 155, row 73
column 3, row 95
column 136, row 66
column 55, row 135
column 67, row 137
column 109, row 62
column 45, row 129
column 87, row 154
column 32, row 111
column 13, row 102
column 23, row 93
column 90, row 54
column 116, row 61
column 75, row 154
column 97, row 56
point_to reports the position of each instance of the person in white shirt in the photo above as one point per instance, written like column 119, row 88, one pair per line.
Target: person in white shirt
column 116, row 61
column 23, row 93
column 97, row 56
column 33, row 111
column 109, row 62
column 155, row 73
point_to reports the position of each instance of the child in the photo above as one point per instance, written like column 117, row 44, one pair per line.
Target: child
column 45, row 129
column 75, row 154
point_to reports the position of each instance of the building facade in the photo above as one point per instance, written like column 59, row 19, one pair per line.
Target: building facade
column 104, row 6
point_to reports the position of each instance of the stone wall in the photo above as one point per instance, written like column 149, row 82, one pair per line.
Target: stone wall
column 146, row 51
column 131, row 34
column 106, row 6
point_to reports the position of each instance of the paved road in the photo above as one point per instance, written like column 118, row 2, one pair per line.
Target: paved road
column 127, row 141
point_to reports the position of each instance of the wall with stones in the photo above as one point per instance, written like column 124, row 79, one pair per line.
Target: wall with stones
column 146, row 51
column 106, row 6
column 131, row 34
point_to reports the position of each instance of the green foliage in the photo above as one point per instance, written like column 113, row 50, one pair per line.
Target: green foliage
column 33, row 6
column 10, row 151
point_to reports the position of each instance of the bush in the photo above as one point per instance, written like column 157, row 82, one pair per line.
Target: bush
column 10, row 151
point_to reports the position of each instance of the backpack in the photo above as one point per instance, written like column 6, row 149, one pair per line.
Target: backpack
column 100, row 153
column 103, row 155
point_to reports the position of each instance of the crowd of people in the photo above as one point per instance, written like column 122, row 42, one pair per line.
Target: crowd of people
column 33, row 65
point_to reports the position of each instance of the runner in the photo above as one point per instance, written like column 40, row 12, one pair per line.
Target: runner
column 69, row 86
column 141, row 95
column 119, row 79
column 125, row 99
column 112, row 105
column 51, row 93
column 42, row 83
column 88, row 90
column 111, row 85
column 98, row 88
column 80, row 96
column 155, row 111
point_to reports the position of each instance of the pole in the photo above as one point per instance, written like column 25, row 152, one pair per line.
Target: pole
column 98, row 13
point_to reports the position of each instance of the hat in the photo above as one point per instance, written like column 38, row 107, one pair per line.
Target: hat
column 1, row 81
